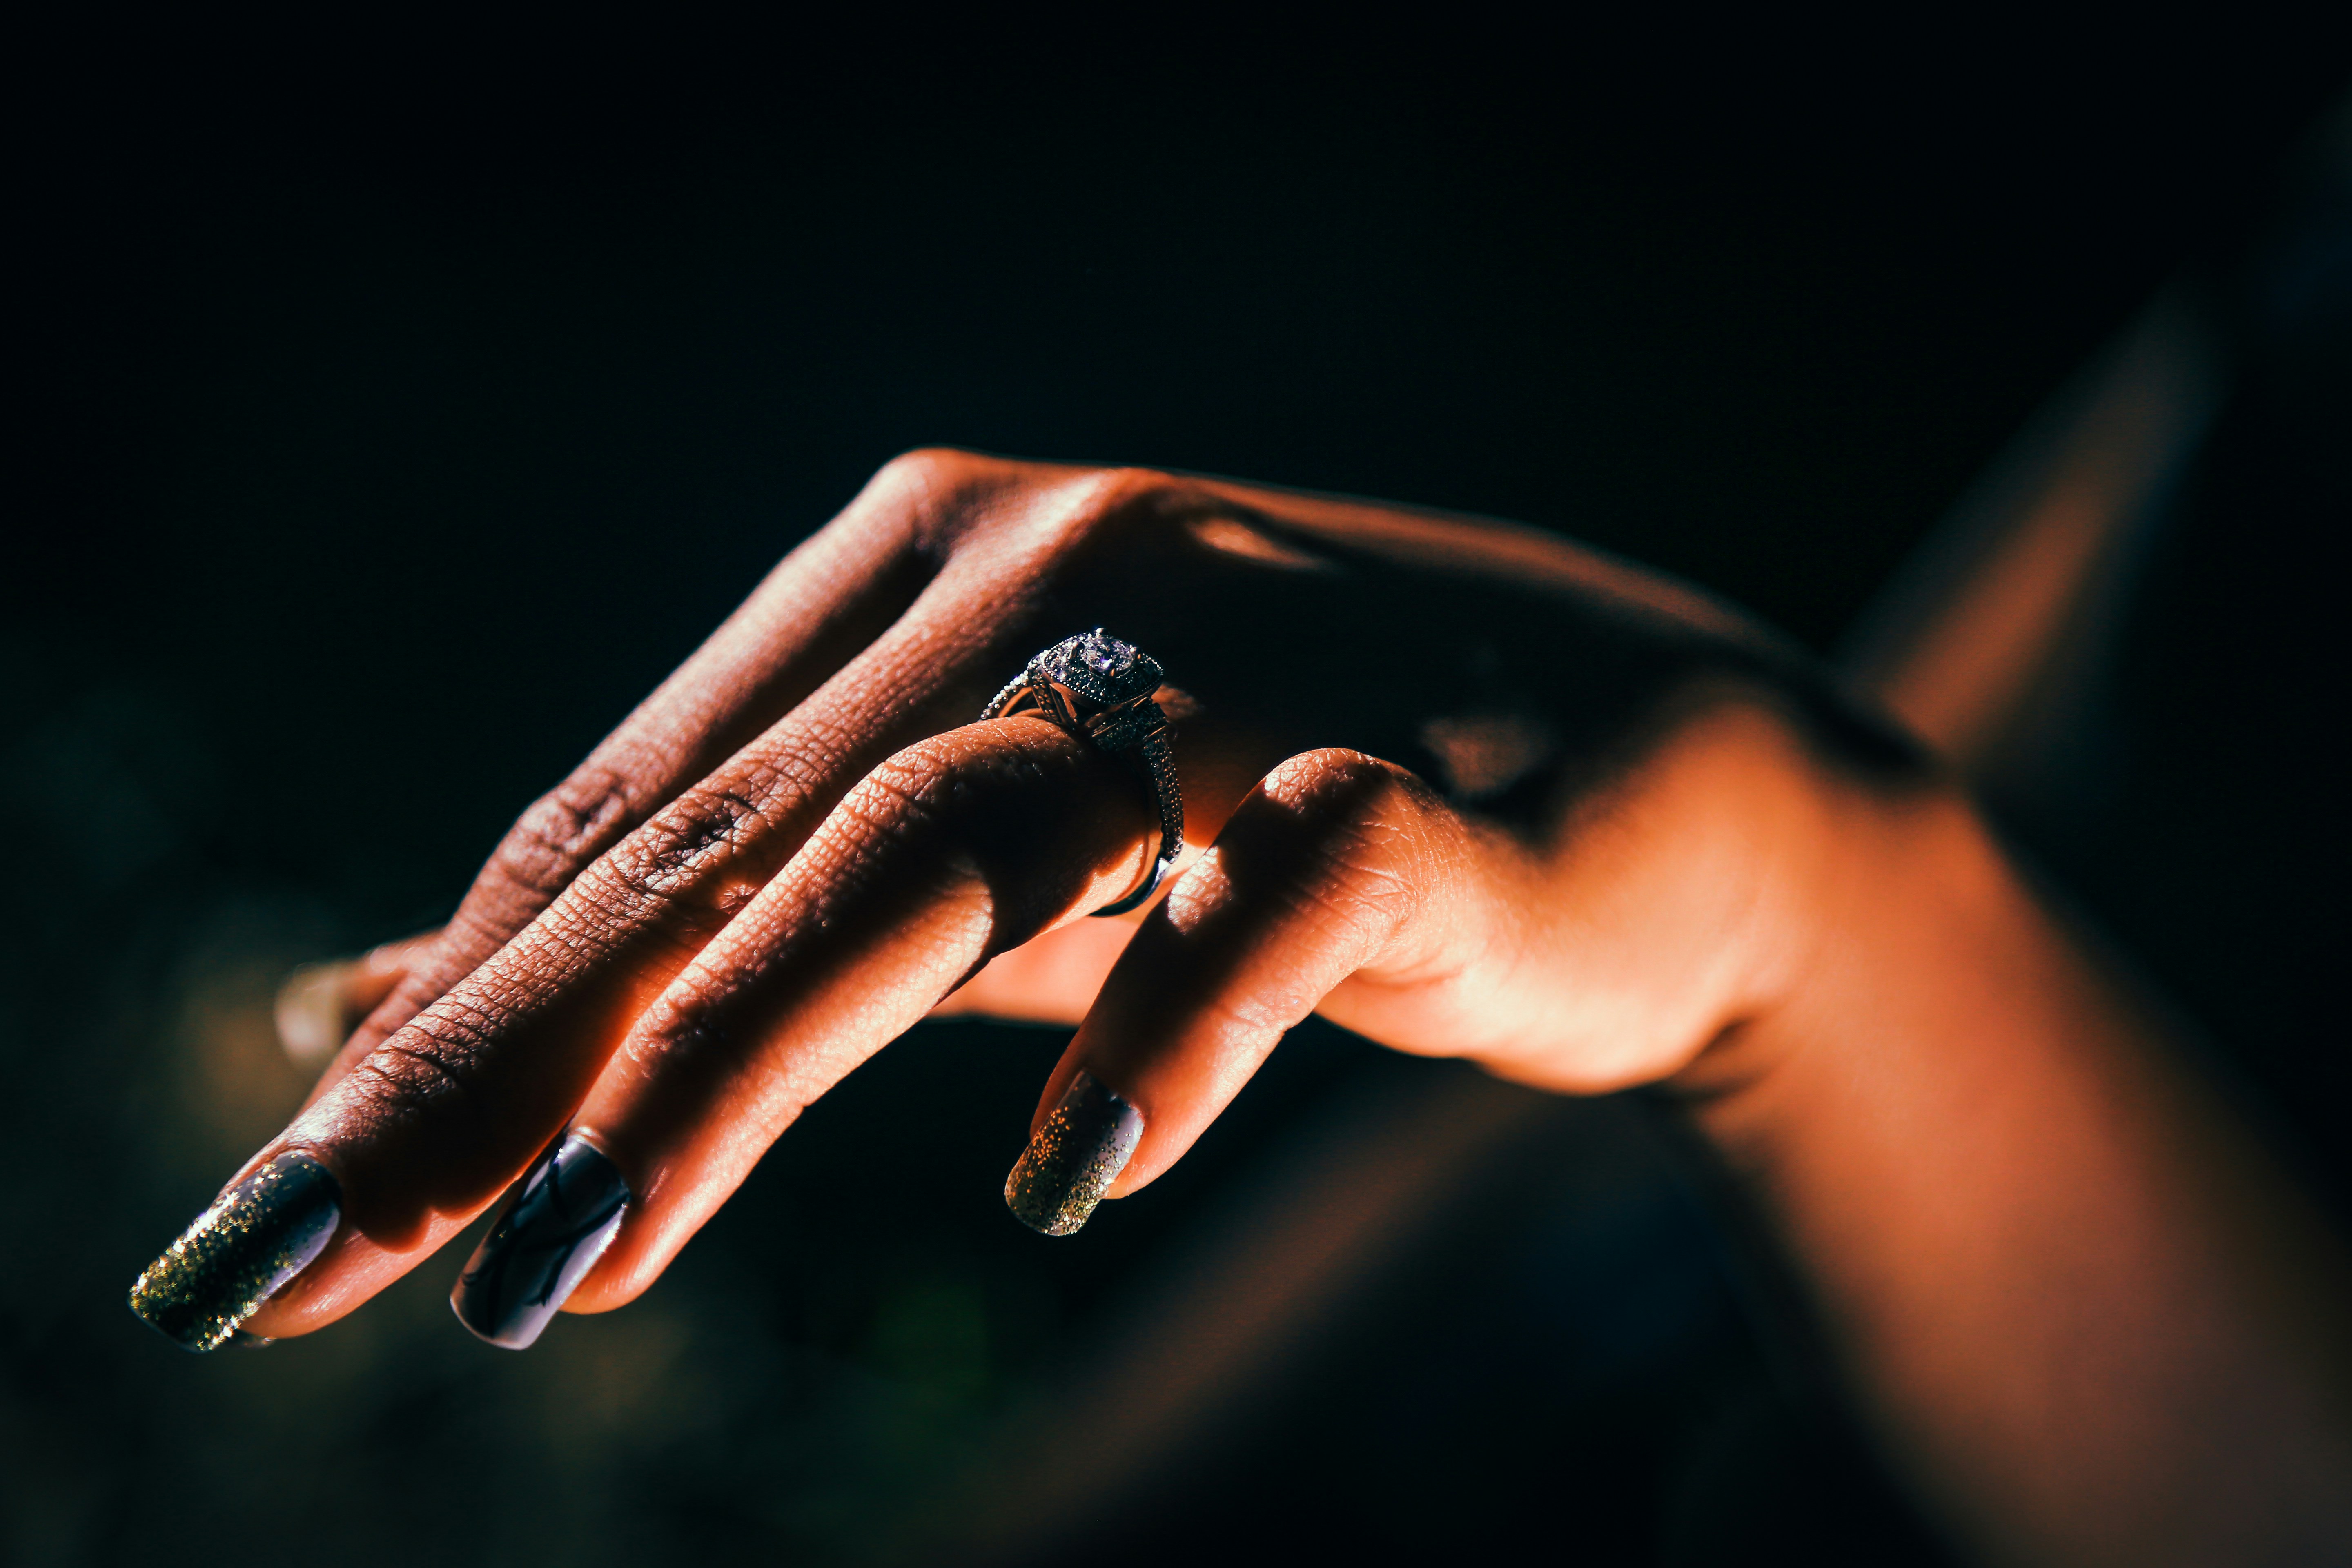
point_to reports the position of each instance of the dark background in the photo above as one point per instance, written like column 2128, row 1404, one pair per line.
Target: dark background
column 388, row 413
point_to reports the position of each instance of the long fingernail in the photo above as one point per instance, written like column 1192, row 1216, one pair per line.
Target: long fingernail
column 569, row 1210
column 257, row 1236
column 1079, row 1151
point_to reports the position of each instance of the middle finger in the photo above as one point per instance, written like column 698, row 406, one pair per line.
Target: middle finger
column 433, row 1123
column 957, row 848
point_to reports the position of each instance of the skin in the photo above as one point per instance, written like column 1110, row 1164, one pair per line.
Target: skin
column 1459, row 787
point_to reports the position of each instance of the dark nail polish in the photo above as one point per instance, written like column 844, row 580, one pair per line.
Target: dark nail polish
column 569, row 1210
column 1080, row 1150
column 257, row 1236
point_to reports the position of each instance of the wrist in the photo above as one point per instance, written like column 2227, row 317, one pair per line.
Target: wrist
column 1905, row 913
column 2088, row 1314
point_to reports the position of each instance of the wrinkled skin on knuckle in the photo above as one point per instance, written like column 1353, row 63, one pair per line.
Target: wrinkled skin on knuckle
column 561, row 832
column 425, row 1068
column 907, row 789
column 896, row 818
column 968, row 499
column 1376, row 862
column 935, row 485
column 1077, row 509
column 1120, row 537
column 701, row 855
column 1120, row 502
column 556, row 837
column 1365, row 812
column 957, row 498
column 1069, row 545
column 1330, row 839
column 1015, row 816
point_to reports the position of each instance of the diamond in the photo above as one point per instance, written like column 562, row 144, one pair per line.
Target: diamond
column 1102, row 668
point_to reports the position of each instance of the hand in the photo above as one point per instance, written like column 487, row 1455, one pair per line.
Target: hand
column 1459, row 786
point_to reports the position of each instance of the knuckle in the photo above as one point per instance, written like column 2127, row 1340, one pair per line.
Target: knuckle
column 910, row 789
column 716, row 842
column 1113, row 503
column 1363, row 822
column 1127, row 488
column 932, row 487
column 562, row 831
column 699, row 833
column 689, row 1020
column 916, row 772
column 429, row 1066
column 1347, row 791
column 888, row 803
column 922, row 469
column 957, row 495
column 417, row 990
column 944, row 773
column 949, row 801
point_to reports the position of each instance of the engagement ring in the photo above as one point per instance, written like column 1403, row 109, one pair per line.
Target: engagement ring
column 1099, row 688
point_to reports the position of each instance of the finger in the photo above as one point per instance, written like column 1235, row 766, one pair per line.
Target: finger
column 1339, row 869
column 425, row 1130
column 955, row 850
column 828, row 598
column 321, row 1003
column 430, row 1125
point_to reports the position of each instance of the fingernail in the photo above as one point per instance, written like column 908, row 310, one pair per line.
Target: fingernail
column 257, row 1236
column 1079, row 1151
column 568, row 1211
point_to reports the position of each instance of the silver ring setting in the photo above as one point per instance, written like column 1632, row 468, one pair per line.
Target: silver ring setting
column 1098, row 687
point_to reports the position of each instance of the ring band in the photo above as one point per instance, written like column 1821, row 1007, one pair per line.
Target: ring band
column 1099, row 688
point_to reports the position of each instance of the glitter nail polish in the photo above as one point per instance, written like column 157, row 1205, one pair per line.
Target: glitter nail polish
column 1079, row 1151
column 257, row 1236
column 570, row 1206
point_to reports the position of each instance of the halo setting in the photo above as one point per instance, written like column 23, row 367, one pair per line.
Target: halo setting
column 1099, row 688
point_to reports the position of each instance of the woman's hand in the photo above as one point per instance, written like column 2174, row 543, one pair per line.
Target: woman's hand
column 1459, row 786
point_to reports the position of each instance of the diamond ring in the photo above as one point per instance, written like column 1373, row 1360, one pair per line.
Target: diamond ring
column 1099, row 688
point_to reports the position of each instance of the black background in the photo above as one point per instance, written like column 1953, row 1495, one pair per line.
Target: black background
column 388, row 412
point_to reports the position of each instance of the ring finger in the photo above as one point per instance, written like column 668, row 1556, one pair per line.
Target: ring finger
column 955, row 850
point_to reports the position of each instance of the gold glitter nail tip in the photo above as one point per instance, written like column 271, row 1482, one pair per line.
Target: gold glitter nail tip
column 1079, row 1151
column 259, row 1235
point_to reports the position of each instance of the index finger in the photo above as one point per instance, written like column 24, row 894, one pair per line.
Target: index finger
column 832, row 595
column 425, row 1130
